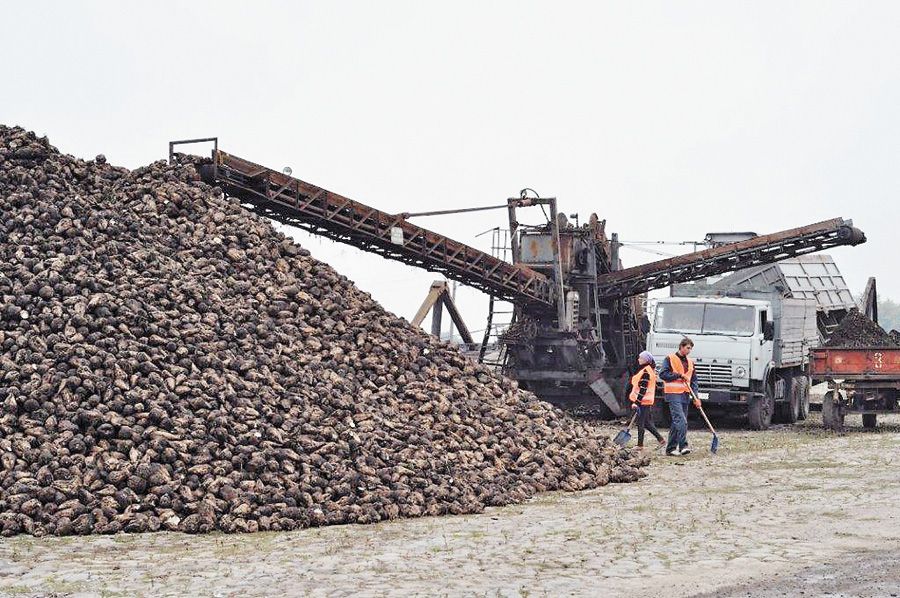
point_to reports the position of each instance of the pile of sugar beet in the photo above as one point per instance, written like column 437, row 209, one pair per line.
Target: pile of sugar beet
column 856, row 330
column 168, row 361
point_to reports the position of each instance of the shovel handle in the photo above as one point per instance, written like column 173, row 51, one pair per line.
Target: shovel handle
column 631, row 422
column 703, row 413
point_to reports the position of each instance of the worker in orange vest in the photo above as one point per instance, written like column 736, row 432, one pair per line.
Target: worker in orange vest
column 642, row 396
column 677, row 373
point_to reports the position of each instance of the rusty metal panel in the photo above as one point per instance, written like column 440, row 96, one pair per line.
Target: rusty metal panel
column 853, row 363
column 537, row 250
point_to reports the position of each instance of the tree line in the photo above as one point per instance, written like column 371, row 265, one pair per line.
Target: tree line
column 889, row 314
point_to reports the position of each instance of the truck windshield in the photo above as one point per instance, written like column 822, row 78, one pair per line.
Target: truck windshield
column 705, row 318
column 736, row 320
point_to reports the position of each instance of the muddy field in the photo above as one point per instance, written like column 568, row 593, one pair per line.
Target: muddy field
column 790, row 511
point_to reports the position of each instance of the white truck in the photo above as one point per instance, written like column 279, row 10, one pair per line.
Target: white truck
column 752, row 334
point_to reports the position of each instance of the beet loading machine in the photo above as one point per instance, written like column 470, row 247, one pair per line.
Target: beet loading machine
column 578, row 315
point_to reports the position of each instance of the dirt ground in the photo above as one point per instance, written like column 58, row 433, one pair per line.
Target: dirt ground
column 793, row 511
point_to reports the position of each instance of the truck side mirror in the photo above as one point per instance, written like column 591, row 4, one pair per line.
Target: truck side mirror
column 769, row 331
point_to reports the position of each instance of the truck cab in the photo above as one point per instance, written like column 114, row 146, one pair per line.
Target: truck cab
column 733, row 342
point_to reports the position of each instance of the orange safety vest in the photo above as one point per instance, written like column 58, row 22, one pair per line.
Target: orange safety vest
column 649, row 396
column 679, row 386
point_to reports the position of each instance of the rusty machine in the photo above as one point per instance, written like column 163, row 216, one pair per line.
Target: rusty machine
column 578, row 314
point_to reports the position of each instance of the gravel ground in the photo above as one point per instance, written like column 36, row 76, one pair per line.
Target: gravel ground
column 872, row 575
column 793, row 511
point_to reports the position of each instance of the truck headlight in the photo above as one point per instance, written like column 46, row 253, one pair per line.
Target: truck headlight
column 740, row 372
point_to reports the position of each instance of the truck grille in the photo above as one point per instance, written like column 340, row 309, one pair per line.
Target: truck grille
column 713, row 374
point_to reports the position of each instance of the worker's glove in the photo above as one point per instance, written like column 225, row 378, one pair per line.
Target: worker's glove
column 634, row 405
column 697, row 403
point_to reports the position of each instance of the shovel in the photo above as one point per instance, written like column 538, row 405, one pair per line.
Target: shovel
column 714, row 447
column 624, row 436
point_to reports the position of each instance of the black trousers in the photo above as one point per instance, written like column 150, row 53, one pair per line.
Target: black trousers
column 645, row 421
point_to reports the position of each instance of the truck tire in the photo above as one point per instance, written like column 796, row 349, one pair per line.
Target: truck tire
column 787, row 411
column 804, row 398
column 762, row 408
column 781, row 415
column 832, row 412
column 759, row 412
column 792, row 405
column 870, row 420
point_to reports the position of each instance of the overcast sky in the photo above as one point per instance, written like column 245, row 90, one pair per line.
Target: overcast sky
column 668, row 119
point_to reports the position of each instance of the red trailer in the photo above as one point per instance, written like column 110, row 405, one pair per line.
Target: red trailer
column 860, row 380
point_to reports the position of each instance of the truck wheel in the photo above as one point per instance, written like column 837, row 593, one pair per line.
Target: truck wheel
column 832, row 412
column 792, row 405
column 787, row 411
column 760, row 412
column 779, row 415
column 803, row 413
column 870, row 420
column 761, row 409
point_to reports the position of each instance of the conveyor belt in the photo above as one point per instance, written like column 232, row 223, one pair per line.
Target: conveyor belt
column 764, row 249
column 296, row 203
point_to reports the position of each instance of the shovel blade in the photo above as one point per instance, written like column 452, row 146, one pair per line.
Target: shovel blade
column 622, row 438
column 714, row 447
